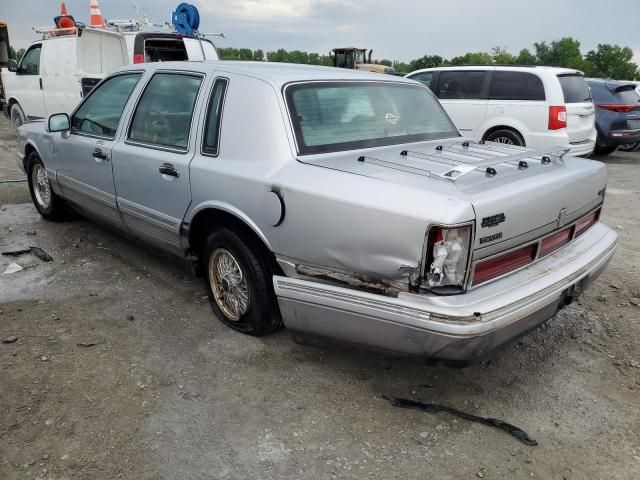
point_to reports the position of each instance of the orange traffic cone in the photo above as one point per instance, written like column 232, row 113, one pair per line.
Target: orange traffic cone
column 96, row 18
column 63, row 10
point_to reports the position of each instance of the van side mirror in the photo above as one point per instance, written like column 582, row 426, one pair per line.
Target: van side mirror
column 12, row 65
column 58, row 122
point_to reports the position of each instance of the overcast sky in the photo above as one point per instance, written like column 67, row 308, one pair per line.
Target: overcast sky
column 395, row 29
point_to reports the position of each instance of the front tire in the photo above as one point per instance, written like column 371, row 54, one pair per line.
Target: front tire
column 507, row 137
column 240, row 285
column 18, row 118
column 48, row 204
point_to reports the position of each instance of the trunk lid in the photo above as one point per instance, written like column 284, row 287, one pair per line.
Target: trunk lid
column 581, row 114
column 510, row 205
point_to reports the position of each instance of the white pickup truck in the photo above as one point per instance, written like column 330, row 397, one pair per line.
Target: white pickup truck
column 56, row 72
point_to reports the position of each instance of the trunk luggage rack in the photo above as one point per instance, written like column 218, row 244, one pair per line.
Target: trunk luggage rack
column 492, row 153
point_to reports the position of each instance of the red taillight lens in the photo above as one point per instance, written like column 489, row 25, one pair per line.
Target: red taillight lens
column 138, row 58
column 503, row 264
column 557, row 118
column 585, row 222
column 555, row 241
column 619, row 107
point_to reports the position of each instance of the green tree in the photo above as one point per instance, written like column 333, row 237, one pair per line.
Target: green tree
column 611, row 61
column 280, row 55
column 525, row 57
column 428, row 61
column 16, row 54
column 472, row 58
column 385, row 62
column 561, row 53
column 500, row 56
column 258, row 55
column 401, row 67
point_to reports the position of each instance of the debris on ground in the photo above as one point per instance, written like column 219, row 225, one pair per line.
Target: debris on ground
column 635, row 301
column 492, row 422
column 16, row 251
column 37, row 251
column 12, row 268
column 11, row 339
column 41, row 254
column 87, row 344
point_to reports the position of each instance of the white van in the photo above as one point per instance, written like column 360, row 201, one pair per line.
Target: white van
column 537, row 107
column 55, row 72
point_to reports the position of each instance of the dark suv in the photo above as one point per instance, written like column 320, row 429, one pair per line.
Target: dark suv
column 617, row 114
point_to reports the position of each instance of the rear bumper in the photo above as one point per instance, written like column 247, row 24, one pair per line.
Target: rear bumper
column 560, row 138
column 620, row 137
column 455, row 328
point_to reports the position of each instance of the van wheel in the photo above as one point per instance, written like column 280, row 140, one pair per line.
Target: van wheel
column 17, row 115
column 240, row 284
column 508, row 137
column 48, row 204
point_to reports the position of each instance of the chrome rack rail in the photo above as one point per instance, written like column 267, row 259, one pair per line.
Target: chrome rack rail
column 493, row 155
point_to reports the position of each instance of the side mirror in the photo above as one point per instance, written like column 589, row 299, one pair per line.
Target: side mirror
column 12, row 65
column 58, row 122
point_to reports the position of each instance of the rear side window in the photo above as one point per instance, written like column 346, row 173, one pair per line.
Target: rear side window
column 627, row 94
column 164, row 50
column 163, row 115
column 101, row 111
column 601, row 94
column 575, row 88
column 516, row 86
column 211, row 139
column 424, row 78
column 460, row 85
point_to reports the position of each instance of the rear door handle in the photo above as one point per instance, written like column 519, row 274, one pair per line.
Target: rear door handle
column 100, row 155
column 40, row 83
column 168, row 169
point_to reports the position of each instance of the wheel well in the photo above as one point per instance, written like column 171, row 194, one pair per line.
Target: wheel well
column 28, row 150
column 209, row 219
column 502, row 127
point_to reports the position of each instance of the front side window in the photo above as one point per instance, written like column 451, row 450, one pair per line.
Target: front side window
column 163, row 115
column 424, row 77
column 460, row 85
column 30, row 63
column 340, row 116
column 214, row 118
column 516, row 86
column 575, row 88
column 100, row 113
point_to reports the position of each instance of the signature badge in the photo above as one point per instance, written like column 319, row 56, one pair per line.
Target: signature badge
column 391, row 118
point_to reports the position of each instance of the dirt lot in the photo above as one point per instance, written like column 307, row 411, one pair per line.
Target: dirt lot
column 120, row 371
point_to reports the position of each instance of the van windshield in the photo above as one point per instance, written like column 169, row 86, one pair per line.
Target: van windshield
column 575, row 88
column 340, row 116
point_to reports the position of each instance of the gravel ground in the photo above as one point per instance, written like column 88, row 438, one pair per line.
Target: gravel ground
column 120, row 371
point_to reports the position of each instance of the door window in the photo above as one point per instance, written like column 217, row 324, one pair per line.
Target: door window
column 30, row 63
column 575, row 88
column 460, row 85
column 164, row 113
column 214, row 118
column 100, row 113
column 424, row 77
column 516, row 86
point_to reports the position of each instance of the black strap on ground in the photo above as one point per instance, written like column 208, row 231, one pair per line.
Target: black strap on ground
column 492, row 422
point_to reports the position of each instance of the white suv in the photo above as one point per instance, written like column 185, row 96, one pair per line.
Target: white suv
column 537, row 107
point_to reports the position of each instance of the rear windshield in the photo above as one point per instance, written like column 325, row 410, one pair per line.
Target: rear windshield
column 164, row 50
column 340, row 116
column 627, row 94
column 575, row 88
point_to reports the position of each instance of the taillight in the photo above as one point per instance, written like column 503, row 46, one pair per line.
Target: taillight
column 619, row 107
column 555, row 241
column 447, row 255
column 138, row 58
column 557, row 118
column 504, row 264
column 585, row 222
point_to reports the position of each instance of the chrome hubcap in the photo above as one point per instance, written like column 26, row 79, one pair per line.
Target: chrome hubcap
column 41, row 186
column 504, row 140
column 228, row 284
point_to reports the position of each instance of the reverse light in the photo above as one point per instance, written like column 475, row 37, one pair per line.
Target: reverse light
column 557, row 118
column 447, row 255
column 138, row 58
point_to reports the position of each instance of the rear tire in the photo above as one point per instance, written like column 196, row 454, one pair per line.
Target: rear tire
column 629, row 147
column 508, row 137
column 240, row 284
column 18, row 118
column 605, row 150
column 48, row 204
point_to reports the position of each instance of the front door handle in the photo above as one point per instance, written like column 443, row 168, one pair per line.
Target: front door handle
column 98, row 154
column 168, row 169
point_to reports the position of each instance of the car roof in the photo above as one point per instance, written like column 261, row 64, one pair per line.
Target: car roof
column 275, row 73
column 508, row 68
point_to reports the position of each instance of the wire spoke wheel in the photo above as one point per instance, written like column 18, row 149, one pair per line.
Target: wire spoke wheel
column 505, row 140
column 228, row 284
column 41, row 186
